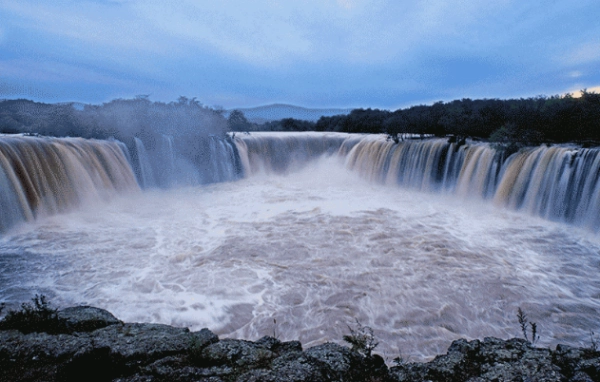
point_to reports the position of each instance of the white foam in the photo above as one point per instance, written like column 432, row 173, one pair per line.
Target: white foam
column 314, row 251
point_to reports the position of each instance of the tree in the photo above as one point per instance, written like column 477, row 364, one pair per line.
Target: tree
column 237, row 121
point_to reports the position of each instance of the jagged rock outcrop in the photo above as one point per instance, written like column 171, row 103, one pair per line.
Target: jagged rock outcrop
column 494, row 359
column 96, row 346
column 86, row 318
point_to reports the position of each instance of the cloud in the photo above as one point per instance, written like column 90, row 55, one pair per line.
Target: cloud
column 269, row 33
column 346, row 4
column 262, row 32
column 333, row 51
column 585, row 53
column 595, row 89
column 576, row 92
column 244, row 31
column 52, row 71
column 99, row 23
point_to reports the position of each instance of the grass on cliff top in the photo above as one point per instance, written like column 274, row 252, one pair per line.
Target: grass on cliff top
column 36, row 316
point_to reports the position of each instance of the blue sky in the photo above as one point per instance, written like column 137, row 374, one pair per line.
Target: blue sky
column 312, row 53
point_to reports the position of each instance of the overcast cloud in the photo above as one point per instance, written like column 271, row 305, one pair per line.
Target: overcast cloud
column 316, row 53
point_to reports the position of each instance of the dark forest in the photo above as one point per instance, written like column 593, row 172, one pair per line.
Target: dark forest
column 525, row 121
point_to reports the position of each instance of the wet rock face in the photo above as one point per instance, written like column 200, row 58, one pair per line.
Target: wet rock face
column 503, row 360
column 236, row 352
column 142, row 341
column 99, row 347
column 579, row 364
column 86, row 318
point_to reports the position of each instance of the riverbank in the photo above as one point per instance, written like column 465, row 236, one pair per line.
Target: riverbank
column 91, row 344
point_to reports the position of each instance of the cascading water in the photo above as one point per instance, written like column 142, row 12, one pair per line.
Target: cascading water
column 40, row 176
column 170, row 167
column 325, row 229
column 281, row 152
column 557, row 183
column 221, row 154
column 146, row 175
column 13, row 205
column 171, row 162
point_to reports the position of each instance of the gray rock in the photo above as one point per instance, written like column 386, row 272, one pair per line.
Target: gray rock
column 103, row 348
column 339, row 358
column 409, row 372
column 125, row 349
column 578, row 363
column 516, row 359
column 176, row 368
column 581, row 377
column 203, row 338
column 275, row 345
column 86, row 318
column 341, row 363
column 292, row 366
column 34, row 346
column 268, row 342
column 591, row 367
column 489, row 360
column 146, row 341
column 240, row 353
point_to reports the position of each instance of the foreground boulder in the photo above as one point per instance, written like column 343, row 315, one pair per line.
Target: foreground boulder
column 86, row 318
column 96, row 346
column 504, row 360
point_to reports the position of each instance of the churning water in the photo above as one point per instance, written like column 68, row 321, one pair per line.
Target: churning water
column 301, row 249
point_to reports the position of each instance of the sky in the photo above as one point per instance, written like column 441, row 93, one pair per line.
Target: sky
column 311, row 53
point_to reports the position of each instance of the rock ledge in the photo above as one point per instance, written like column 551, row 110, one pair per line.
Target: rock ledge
column 99, row 347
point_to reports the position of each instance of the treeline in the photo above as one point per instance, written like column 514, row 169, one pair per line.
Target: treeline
column 237, row 122
column 529, row 121
column 121, row 119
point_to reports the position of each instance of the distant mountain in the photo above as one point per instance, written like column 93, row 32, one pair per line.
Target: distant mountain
column 275, row 112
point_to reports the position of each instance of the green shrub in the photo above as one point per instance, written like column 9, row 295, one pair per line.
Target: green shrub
column 522, row 317
column 36, row 317
column 361, row 339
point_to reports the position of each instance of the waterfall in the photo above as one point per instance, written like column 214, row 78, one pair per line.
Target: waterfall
column 310, row 237
column 169, row 160
column 47, row 175
column 13, row 204
column 557, row 183
column 283, row 152
column 165, row 161
column 221, row 158
column 50, row 175
column 146, row 175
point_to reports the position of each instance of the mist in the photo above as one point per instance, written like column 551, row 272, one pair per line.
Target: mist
column 313, row 248
column 175, row 143
column 424, row 240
